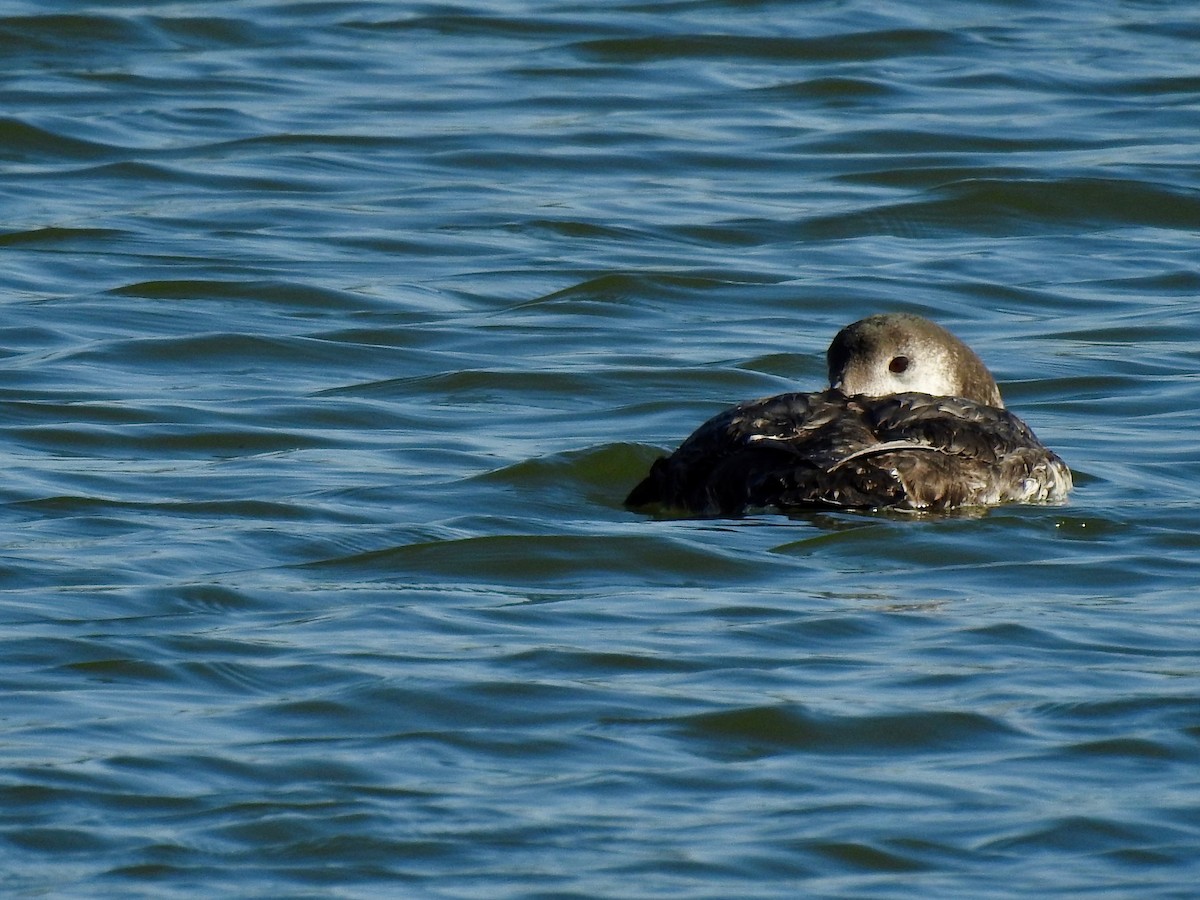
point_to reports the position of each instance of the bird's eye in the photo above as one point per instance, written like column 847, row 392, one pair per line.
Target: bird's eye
column 898, row 364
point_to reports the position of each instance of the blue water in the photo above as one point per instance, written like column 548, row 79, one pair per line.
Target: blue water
column 334, row 334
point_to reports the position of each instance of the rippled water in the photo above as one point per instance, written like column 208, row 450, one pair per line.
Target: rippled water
column 334, row 334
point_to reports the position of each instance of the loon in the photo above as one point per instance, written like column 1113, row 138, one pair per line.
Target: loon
column 912, row 421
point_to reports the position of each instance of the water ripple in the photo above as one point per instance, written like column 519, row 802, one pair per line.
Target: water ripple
column 335, row 333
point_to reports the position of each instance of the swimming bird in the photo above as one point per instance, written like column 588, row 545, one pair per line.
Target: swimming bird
column 912, row 420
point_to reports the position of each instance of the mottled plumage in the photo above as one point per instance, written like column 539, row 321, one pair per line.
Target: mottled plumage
column 914, row 421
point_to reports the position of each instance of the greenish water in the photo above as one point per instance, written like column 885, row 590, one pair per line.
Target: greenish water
column 334, row 334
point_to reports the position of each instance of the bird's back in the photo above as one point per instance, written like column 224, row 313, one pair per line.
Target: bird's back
column 824, row 450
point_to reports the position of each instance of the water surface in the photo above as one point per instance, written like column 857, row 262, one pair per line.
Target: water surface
column 334, row 334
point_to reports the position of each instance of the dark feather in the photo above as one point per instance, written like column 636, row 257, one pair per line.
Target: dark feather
column 823, row 450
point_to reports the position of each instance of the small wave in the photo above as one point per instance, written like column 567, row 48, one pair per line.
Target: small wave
column 93, row 36
column 59, row 237
column 548, row 558
column 23, row 142
column 755, row 731
column 999, row 207
column 867, row 45
column 284, row 294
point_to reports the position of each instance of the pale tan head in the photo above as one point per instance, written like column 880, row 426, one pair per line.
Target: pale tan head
column 898, row 352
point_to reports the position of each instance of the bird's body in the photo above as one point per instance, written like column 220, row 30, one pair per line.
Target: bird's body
column 913, row 421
